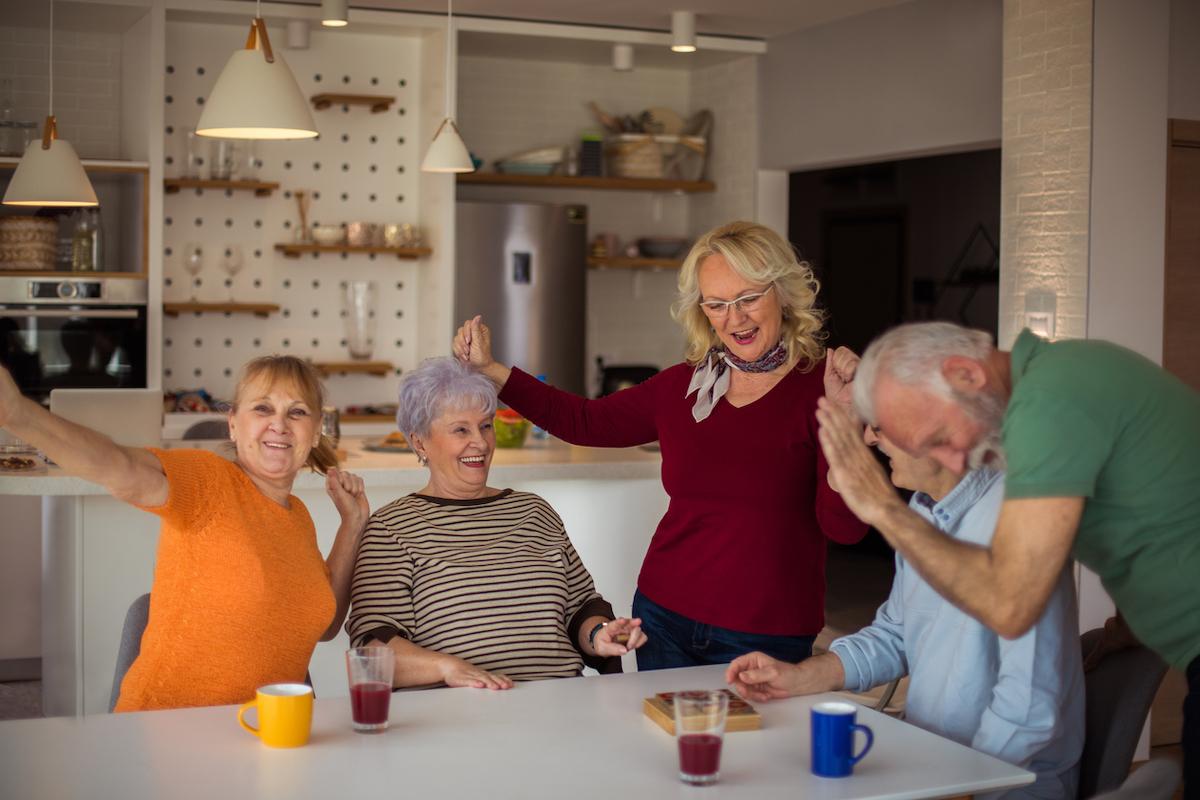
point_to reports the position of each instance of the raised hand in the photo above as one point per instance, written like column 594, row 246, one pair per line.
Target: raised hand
column 473, row 343
column 459, row 673
column 608, row 639
column 757, row 676
column 349, row 497
column 853, row 471
column 840, row 366
column 473, row 346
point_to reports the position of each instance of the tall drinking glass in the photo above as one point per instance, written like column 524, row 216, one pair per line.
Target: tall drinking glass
column 360, row 318
column 369, row 670
column 699, row 732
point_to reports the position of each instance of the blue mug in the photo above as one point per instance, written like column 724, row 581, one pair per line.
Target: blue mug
column 833, row 730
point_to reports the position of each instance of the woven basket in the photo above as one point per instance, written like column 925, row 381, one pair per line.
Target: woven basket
column 633, row 155
column 638, row 155
column 28, row 242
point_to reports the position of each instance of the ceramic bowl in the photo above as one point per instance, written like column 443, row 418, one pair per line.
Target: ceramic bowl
column 328, row 234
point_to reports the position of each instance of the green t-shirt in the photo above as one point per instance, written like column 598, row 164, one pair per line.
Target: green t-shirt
column 1091, row 419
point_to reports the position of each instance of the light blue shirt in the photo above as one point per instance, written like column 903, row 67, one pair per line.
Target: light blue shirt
column 1019, row 700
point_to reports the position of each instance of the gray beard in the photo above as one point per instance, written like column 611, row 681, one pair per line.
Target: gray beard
column 988, row 411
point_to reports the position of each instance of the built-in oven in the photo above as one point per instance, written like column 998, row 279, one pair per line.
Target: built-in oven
column 78, row 333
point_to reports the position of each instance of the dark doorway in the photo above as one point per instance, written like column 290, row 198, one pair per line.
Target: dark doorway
column 863, row 258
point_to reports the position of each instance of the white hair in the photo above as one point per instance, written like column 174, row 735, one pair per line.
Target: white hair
column 913, row 354
column 437, row 385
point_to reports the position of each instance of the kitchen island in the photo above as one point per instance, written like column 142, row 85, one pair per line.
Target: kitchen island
column 98, row 553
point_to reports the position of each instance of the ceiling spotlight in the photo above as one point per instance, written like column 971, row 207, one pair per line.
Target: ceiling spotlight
column 297, row 34
column 683, row 31
column 622, row 57
column 334, row 13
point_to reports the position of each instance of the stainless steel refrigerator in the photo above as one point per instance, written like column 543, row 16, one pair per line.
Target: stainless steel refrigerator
column 523, row 267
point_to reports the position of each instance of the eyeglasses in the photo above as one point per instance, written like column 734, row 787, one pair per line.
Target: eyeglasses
column 747, row 302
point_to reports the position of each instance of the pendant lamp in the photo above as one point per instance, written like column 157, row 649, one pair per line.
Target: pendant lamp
column 49, row 174
column 447, row 152
column 256, row 96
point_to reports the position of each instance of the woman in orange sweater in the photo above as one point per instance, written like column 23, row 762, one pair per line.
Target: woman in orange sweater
column 241, row 593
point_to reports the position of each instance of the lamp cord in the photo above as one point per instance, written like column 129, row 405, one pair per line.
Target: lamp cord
column 51, row 58
column 449, row 45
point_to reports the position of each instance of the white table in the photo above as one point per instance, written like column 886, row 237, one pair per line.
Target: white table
column 575, row 738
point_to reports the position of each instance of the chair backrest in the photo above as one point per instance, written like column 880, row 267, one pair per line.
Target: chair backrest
column 1120, row 690
column 207, row 429
column 1156, row 780
column 131, row 643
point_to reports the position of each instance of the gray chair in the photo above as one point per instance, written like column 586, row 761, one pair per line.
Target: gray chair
column 208, row 429
column 1119, row 691
column 1157, row 780
column 131, row 643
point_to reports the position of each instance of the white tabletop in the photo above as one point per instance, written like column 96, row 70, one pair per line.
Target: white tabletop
column 574, row 738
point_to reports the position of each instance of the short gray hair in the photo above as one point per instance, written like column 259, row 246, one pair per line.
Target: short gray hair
column 439, row 384
column 912, row 354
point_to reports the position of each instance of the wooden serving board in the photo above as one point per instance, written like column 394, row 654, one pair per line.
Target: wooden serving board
column 742, row 716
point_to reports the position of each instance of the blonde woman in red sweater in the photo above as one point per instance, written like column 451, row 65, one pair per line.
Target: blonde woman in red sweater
column 738, row 562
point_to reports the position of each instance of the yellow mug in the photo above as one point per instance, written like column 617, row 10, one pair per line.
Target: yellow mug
column 284, row 714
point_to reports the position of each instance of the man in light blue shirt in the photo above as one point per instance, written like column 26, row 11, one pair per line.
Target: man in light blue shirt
column 1019, row 700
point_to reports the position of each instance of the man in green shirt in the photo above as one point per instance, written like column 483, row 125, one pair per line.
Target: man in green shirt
column 1102, row 453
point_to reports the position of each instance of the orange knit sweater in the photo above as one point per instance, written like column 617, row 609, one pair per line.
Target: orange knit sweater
column 241, row 594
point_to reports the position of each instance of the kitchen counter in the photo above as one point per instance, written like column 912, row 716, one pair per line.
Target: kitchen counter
column 98, row 553
column 548, row 459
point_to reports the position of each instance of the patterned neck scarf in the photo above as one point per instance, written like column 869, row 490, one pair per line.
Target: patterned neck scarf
column 711, row 376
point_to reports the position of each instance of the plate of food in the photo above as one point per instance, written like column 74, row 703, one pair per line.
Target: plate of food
column 21, row 464
column 394, row 442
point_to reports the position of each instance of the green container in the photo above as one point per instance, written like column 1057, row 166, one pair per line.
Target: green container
column 511, row 433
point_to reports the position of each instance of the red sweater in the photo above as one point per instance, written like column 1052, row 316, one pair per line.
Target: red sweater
column 742, row 545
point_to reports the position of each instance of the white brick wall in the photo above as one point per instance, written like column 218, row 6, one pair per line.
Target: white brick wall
column 730, row 90
column 508, row 105
column 87, row 95
column 1046, row 170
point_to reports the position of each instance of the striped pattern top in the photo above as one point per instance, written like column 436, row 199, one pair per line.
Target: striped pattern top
column 494, row 581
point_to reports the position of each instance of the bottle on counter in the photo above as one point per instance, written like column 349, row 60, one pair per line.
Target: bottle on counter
column 87, row 243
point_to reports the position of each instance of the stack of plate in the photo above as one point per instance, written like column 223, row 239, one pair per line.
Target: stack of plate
column 542, row 161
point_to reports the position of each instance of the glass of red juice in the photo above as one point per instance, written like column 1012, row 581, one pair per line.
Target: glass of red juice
column 699, row 732
column 370, row 672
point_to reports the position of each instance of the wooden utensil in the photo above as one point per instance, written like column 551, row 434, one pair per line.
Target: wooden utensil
column 302, row 203
column 605, row 119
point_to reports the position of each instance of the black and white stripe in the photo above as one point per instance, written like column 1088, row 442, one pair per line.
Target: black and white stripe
column 493, row 581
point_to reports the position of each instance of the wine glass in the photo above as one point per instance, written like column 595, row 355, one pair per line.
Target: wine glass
column 231, row 262
column 193, row 262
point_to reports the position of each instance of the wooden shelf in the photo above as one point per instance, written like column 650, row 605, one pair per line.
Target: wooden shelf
column 586, row 182
column 257, row 309
column 296, row 250
column 634, row 263
column 379, row 368
column 378, row 103
column 67, row 275
column 91, row 165
column 260, row 188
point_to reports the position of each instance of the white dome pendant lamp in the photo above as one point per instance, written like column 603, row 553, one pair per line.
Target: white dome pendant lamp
column 256, row 96
column 49, row 173
column 447, row 152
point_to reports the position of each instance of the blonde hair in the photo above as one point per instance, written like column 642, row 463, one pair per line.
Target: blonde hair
column 759, row 255
column 302, row 376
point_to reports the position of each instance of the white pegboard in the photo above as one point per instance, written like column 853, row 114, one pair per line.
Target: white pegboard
column 363, row 167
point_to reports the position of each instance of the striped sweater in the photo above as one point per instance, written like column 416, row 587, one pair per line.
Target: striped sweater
column 494, row 581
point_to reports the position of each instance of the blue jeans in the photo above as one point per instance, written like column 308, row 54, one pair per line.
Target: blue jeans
column 673, row 640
